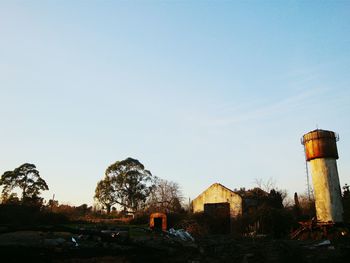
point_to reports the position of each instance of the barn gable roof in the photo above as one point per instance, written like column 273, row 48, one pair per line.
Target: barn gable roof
column 220, row 185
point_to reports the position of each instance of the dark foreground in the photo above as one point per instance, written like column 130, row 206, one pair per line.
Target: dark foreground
column 140, row 245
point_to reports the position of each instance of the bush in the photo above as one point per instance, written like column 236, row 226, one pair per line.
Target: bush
column 140, row 219
column 17, row 214
column 275, row 222
column 201, row 224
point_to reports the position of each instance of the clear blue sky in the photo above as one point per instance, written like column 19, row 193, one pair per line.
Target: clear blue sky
column 198, row 91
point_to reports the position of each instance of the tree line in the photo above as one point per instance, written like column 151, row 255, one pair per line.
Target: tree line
column 126, row 184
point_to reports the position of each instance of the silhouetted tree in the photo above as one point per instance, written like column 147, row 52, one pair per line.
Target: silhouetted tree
column 126, row 183
column 304, row 208
column 106, row 193
column 266, row 215
column 10, row 198
column 26, row 177
column 275, row 199
column 346, row 202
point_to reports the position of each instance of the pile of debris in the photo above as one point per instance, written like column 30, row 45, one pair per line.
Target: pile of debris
column 138, row 244
column 314, row 230
column 180, row 233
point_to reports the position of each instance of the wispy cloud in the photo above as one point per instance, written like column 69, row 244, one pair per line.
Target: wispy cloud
column 255, row 111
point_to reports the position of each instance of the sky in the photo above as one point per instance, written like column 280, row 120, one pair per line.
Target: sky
column 198, row 91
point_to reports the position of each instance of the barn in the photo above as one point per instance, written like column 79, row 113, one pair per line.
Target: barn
column 218, row 197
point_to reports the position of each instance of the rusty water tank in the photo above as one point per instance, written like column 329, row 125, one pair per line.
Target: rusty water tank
column 321, row 153
column 320, row 144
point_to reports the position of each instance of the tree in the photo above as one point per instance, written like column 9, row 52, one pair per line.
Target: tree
column 346, row 203
column 304, row 207
column 270, row 185
column 12, row 198
column 275, row 199
column 165, row 196
column 105, row 193
column 126, row 183
column 27, row 178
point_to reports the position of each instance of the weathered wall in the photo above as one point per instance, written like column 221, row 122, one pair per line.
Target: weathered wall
column 327, row 190
column 217, row 193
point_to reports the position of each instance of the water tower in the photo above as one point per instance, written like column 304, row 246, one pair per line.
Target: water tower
column 321, row 153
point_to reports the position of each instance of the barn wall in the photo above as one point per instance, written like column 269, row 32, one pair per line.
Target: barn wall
column 218, row 194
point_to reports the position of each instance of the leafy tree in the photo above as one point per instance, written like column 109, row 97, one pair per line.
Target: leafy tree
column 7, row 198
column 126, row 183
column 27, row 178
column 105, row 193
column 131, row 183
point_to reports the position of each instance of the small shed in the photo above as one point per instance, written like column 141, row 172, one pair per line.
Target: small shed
column 158, row 221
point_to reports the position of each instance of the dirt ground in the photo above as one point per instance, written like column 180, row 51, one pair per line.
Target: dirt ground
column 145, row 246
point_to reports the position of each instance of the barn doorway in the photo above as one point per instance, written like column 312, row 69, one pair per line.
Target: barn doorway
column 219, row 219
column 158, row 221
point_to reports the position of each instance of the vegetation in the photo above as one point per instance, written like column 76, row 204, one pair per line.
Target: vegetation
column 304, row 207
column 130, row 186
column 106, row 193
column 126, row 183
column 346, row 203
column 165, row 197
column 26, row 177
